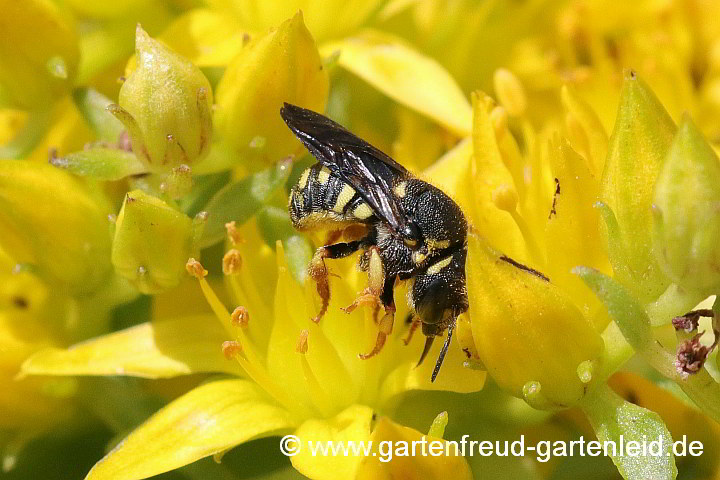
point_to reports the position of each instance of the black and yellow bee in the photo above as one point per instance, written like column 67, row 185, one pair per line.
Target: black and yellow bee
column 411, row 229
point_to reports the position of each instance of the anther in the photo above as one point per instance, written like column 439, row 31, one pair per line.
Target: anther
column 240, row 317
column 231, row 349
column 232, row 261
column 233, row 234
column 195, row 269
column 302, row 343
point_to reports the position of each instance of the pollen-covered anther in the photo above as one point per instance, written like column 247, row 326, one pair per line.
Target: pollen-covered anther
column 232, row 261
column 233, row 234
column 302, row 343
column 240, row 317
column 195, row 269
column 231, row 349
column 690, row 356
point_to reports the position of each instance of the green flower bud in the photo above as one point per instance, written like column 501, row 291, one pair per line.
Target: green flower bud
column 51, row 220
column 639, row 143
column 686, row 205
column 39, row 54
column 282, row 66
column 165, row 105
column 152, row 243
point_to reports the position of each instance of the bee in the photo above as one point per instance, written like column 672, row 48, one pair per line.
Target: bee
column 412, row 231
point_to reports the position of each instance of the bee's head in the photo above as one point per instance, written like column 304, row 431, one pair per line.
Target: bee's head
column 437, row 222
column 438, row 296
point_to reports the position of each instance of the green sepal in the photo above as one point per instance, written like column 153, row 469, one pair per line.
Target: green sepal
column 93, row 107
column 619, row 422
column 101, row 163
column 240, row 200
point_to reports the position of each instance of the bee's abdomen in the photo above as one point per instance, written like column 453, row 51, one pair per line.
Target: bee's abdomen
column 320, row 198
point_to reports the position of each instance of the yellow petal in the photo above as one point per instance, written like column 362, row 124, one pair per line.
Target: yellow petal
column 488, row 174
column 388, row 463
column 38, row 53
column 449, row 171
column 454, row 376
column 528, row 333
column 406, row 76
column 208, row 38
column 52, row 220
column 326, row 19
column 209, row 419
column 574, row 217
column 353, row 424
column 581, row 116
column 158, row 349
column 281, row 66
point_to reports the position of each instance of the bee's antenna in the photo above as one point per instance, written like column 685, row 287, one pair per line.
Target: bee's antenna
column 428, row 344
column 444, row 350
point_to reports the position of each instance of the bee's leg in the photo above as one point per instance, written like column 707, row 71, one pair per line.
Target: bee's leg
column 319, row 273
column 376, row 279
column 386, row 323
column 333, row 236
column 415, row 323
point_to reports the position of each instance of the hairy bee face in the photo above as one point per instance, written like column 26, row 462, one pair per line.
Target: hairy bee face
column 439, row 223
column 418, row 231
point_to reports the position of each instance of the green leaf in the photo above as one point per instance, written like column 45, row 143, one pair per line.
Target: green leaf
column 627, row 313
column 209, row 419
column 92, row 104
column 204, row 187
column 620, row 422
column 274, row 224
column 159, row 349
column 240, row 200
column 101, row 163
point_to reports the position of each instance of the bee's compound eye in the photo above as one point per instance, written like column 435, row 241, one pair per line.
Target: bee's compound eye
column 411, row 235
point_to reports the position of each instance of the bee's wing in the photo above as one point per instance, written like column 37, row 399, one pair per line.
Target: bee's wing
column 364, row 167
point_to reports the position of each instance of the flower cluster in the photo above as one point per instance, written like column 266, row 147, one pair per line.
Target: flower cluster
column 155, row 302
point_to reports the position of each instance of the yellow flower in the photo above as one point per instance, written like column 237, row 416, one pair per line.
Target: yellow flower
column 292, row 375
column 52, row 221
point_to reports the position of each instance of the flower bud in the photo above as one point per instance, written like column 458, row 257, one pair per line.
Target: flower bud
column 282, row 66
column 639, row 144
column 39, row 54
column 533, row 340
column 152, row 243
column 686, row 208
column 52, row 221
column 165, row 105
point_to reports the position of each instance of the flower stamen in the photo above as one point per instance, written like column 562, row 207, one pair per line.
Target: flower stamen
column 231, row 349
column 320, row 397
column 195, row 269
column 233, row 234
column 240, row 317
column 232, row 261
